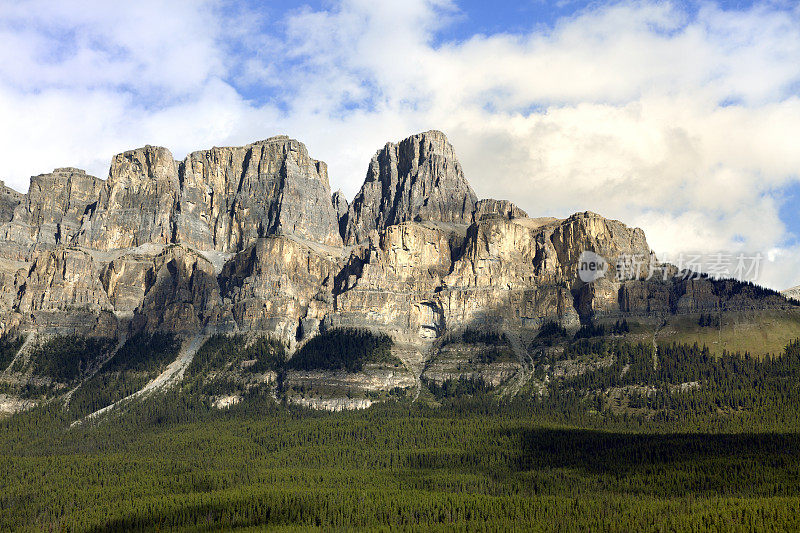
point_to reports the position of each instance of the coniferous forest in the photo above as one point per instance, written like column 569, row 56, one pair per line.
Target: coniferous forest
column 694, row 442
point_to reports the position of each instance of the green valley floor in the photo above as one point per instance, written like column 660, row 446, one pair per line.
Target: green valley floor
column 170, row 463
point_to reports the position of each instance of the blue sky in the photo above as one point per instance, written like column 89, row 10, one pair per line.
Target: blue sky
column 678, row 117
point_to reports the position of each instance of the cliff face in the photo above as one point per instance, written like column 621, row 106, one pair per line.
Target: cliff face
column 137, row 203
column 250, row 239
column 220, row 199
column 232, row 196
column 418, row 179
column 50, row 214
column 491, row 208
column 282, row 286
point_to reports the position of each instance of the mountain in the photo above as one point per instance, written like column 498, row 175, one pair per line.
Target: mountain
column 250, row 243
column 418, row 179
column 793, row 293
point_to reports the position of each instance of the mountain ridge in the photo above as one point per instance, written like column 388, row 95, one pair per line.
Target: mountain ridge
column 250, row 240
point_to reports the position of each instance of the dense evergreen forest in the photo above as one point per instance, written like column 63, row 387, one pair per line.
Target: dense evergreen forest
column 174, row 463
column 9, row 346
column 140, row 359
column 639, row 440
column 343, row 349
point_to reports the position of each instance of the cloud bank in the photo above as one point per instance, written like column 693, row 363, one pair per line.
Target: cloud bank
column 683, row 122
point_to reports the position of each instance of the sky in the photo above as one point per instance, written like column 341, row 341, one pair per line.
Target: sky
column 682, row 118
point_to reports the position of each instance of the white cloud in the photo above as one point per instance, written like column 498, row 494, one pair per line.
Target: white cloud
column 156, row 48
column 682, row 124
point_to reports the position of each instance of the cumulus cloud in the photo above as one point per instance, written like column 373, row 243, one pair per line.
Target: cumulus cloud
column 679, row 122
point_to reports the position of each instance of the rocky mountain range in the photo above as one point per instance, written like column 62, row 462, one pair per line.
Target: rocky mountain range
column 250, row 240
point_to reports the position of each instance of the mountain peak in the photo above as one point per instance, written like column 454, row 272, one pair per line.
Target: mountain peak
column 417, row 179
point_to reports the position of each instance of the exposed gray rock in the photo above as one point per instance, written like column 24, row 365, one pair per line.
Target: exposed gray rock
column 62, row 279
column 181, row 295
column 61, row 293
column 250, row 239
column 9, row 200
column 50, row 214
column 56, row 202
column 125, row 281
column 332, row 404
column 489, row 208
column 232, row 196
column 137, row 203
column 418, row 179
column 281, row 286
column 219, row 199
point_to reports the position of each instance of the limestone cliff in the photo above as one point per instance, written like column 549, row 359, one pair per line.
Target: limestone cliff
column 50, row 214
column 418, row 179
column 282, row 286
column 232, row 196
column 490, row 208
column 137, row 202
column 250, row 240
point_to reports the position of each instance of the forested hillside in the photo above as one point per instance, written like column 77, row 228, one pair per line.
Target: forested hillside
column 723, row 454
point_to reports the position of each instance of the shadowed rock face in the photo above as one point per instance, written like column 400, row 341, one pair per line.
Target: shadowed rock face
column 9, row 200
column 341, row 206
column 490, row 208
column 181, row 294
column 418, row 179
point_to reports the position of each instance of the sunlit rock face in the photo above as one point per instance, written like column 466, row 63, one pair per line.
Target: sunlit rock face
column 232, row 196
column 417, row 179
column 137, row 203
column 61, row 293
column 250, row 239
column 391, row 281
column 50, row 214
column 280, row 285
column 524, row 271
column 218, row 199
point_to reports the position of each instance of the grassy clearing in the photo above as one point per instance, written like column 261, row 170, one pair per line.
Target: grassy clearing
column 759, row 333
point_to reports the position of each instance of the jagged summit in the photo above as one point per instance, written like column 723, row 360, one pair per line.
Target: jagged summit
column 418, row 179
column 271, row 187
column 216, row 199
